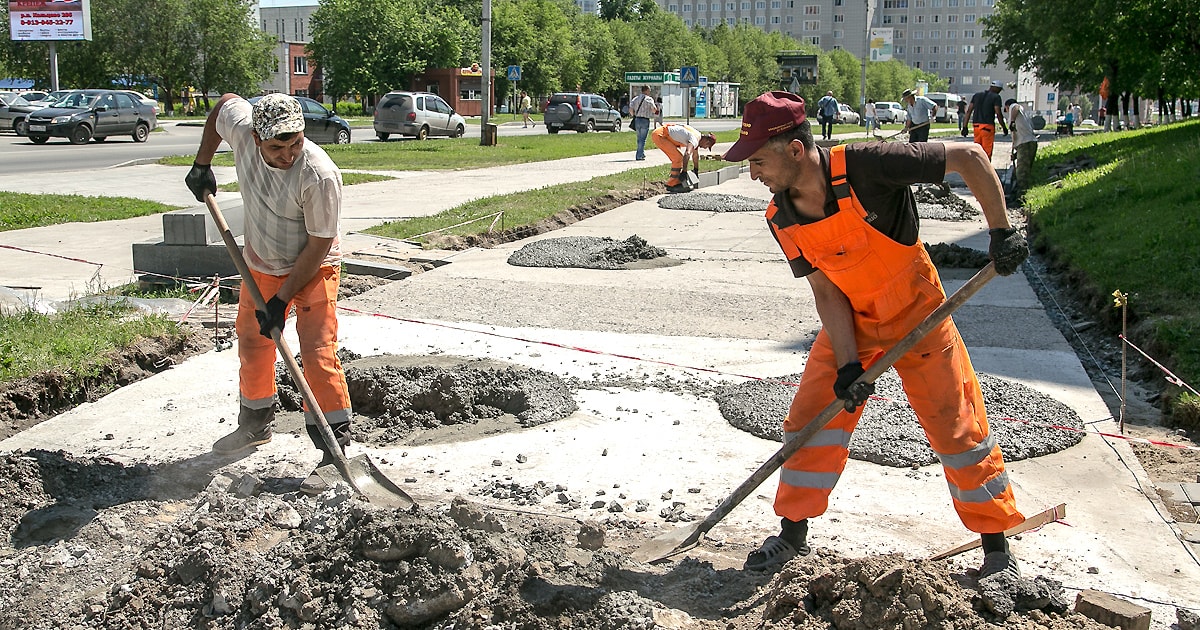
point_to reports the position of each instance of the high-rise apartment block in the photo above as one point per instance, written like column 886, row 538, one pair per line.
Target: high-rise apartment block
column 939, row 36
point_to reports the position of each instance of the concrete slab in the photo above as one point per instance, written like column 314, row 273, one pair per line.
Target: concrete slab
column 1192, row 490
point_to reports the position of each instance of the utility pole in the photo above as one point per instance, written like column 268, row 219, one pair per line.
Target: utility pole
column 487, row 74
column 862, row 86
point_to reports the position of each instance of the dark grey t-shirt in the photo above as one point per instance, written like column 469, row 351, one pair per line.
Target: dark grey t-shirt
column 880, row 174
column 985, row 103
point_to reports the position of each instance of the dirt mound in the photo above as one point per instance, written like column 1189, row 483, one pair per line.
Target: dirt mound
column 951, row 255
column 1026, row 423
column 157, row 552
column 939, row 202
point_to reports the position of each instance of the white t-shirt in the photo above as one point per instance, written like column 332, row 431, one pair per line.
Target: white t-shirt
column 282, row 207
column 1018, row 122
column 684, row 135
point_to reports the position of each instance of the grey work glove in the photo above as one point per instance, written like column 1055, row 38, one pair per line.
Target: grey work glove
column 201, row 181
column 853, row 394
column 272, row 318
column 1007, row 250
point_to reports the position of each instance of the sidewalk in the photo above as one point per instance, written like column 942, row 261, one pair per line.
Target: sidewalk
column 720, row 309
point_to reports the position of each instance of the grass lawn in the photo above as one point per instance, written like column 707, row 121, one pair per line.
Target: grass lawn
column 449, row 154
column 1131, row 224
column 24, row 210
column 349, row 178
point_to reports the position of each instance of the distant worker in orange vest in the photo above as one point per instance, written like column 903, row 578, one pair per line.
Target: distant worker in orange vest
column 846, row 220
column 983, row 111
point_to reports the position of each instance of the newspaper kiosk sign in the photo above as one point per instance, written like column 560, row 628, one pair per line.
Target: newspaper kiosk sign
column 49, row 20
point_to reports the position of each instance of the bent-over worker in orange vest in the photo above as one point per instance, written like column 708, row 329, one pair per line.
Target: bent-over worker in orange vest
column 846, row 220
column 680, row 143
column 292, row 199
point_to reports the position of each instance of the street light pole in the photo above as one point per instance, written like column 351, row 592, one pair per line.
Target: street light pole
column 487, row 72
column 862, row 86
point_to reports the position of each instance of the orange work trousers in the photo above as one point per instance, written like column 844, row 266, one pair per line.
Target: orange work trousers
column 663, row 141
column 317, row 328
column 985, row 136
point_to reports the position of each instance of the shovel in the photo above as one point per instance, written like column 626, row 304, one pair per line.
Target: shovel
column 674, row 542
column 358, row 471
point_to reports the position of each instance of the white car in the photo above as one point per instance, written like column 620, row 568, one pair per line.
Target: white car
column 847, row 116
column 890, row 112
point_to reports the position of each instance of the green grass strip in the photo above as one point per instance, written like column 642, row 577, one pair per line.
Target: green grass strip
column 25, row 210
column 74, row 342
column 1132, row 224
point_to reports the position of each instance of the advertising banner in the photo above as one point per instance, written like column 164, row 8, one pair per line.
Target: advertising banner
column 881, row 44
column 49, row 20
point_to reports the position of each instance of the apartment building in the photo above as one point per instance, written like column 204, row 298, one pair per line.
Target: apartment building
column 288, row 21
column 940, row 36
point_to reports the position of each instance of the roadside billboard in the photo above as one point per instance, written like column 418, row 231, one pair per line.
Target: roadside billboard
column 881, row 44
column 49, row 20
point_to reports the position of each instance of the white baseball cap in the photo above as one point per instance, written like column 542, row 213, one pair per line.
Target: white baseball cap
column 997, row 84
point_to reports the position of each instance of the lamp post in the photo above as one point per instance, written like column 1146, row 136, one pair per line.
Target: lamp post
column 862, row 86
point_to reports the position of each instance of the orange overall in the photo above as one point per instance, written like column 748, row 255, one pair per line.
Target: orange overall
column 663, row 140
column 985, row 136
column 317, row 328
column 891, row 288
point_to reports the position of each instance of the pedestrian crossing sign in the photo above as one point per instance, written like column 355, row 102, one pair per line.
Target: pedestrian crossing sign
column 514, row 73
column 689, row 75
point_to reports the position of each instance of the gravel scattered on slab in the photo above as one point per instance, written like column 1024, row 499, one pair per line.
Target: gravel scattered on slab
column 712, row 202
column 586, row 252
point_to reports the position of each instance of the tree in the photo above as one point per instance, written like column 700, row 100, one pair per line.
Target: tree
column 234, row 54
column 371, row 46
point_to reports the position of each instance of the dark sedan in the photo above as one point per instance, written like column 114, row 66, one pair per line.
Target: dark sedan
column 13, row 111
column 320, row 125
column 85, row 115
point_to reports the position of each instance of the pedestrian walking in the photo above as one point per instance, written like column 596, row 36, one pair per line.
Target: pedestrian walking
column 526, row 106
column 642, row 108
column 846, row 221
column 292, row 197
column 827, row 109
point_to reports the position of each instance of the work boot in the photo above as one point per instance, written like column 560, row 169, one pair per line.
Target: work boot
column 999, row 563
column 314, row 484
column 777, row 550
column 254, row 429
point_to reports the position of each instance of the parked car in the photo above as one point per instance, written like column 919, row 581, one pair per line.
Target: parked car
column 85, row 115
column 417, row 114
column 890, row 112
column 47, row 98
column 145, row 101
column 580, row 111
column 947, row 103
column 846, row 115
column 320, row 125
column 13, row 111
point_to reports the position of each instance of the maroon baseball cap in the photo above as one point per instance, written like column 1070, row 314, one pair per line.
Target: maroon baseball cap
column 764, row 118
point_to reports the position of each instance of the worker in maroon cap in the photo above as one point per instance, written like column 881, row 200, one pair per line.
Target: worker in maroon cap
column 846, row 220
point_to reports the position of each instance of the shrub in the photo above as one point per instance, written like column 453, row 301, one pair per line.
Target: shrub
column 348, row 108
column 1185, row 412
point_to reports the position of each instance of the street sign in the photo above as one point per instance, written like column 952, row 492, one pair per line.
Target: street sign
column 689, row 75
column 514, row 73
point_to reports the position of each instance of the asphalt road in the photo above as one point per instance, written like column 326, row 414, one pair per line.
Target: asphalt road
column 19, row 155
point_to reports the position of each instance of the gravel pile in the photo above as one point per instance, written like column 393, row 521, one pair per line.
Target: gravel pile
column 938, row 202
column 1025, row 422
column 586, row 252
column 712, row 202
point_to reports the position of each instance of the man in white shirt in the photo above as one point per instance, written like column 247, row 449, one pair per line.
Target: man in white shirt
column 681, row 142
column 921, row 111
column 1024, row 145
column 292, row 195
column 642, row 108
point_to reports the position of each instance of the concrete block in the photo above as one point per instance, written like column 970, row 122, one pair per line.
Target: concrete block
column 371, row 268
column 711, row 178
column 182, row 261
column 729, row 173
column 1192, row 490
column 1112, row 611
column 194, row 226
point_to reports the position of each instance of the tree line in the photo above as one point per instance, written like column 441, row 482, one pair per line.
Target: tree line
column 368, row 47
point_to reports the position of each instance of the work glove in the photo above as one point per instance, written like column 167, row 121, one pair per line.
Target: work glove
column 200, row 180
column 1008, row 249
column 1004, row 130
column 853, row 394
column 272, row 318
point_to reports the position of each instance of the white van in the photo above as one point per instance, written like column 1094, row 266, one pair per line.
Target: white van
column 947, row 103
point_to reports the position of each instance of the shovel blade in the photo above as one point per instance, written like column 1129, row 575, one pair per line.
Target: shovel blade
column 370, row 482
column 667, row 544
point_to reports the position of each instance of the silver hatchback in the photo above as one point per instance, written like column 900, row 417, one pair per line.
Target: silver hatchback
column 417, row 114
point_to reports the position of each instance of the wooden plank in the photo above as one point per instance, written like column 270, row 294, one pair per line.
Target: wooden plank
column 1055, row 513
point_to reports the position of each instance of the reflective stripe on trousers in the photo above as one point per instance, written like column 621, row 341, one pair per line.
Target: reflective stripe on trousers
column 317, row 328
column 891, row 288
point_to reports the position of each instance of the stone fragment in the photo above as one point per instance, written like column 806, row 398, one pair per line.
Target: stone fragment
column 1112, row 611
column 591, row 535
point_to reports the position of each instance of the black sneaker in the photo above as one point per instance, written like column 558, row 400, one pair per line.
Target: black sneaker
column 773, row 554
